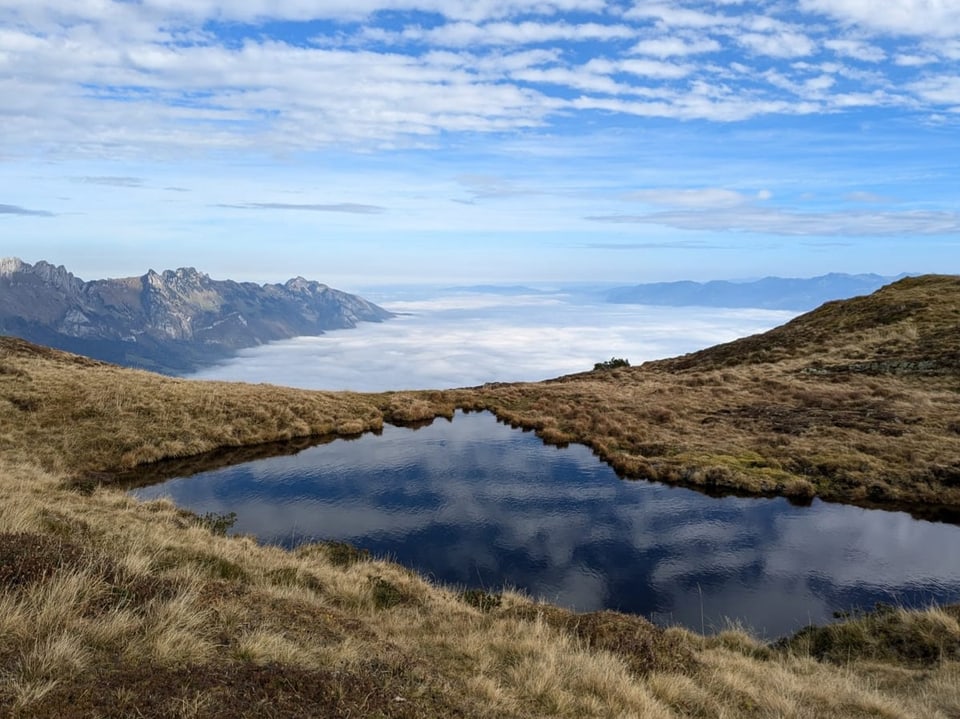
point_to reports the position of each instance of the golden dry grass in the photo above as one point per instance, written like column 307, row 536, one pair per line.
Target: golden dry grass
column 858, row 401
column 112, row 607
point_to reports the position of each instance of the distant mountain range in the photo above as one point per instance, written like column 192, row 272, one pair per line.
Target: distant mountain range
column 174, row 321
column 179, row 320
column 777, row 293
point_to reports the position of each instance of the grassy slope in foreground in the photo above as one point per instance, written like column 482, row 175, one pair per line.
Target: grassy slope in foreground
column 110, row 607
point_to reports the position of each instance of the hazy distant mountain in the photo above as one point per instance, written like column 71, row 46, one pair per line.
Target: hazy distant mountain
column 496, row 289
column 173, row 321
column 771, row 292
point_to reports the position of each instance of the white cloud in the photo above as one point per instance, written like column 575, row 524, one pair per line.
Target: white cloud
column 782, row 44
column 856, row 49
column 949, row 49
column 675, row 47
column 465, row 34
column 819, row 84
column 908, row 60
column 784, row 222
column 110, row 78
column 347, row 207
column 824, row 89
column 150, row 76
column 700, row 103
column 490, row 186
column 314, row 96
column 708, row 197
column 473, row 303
column 938, row 18
column 654, row 68
column 293, row 10
column 673, row 16
column 510, row 62
column 577, row 78
column 941, row 90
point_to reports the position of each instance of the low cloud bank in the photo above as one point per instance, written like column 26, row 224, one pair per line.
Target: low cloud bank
column 463, row 339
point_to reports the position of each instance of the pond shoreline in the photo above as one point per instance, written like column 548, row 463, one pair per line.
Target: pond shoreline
column 475, row 504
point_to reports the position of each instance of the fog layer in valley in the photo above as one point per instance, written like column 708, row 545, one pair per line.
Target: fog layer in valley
column 444, row 339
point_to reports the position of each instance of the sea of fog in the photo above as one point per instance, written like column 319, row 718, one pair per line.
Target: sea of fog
column 445, row 338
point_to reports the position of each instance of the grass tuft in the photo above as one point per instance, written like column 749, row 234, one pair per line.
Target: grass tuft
column 339, row 554
column 482, row 600
column 386, row 594
column 884, row 634
column 217, row 522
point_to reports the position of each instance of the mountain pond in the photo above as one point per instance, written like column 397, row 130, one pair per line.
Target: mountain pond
column 475, row 504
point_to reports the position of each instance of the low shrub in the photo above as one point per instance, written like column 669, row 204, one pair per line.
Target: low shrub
column 478, row 598
column 612, row 363
column 217, row 522
column 385, row 594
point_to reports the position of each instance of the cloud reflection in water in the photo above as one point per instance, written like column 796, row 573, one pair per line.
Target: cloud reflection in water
column 473, row 502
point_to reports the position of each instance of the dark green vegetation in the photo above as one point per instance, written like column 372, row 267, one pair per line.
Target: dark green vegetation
column 884, row 634
column 612, row 363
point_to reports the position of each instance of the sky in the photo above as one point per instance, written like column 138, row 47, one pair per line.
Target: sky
column 468, row 141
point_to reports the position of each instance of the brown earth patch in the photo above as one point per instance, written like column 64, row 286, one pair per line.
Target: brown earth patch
column 240, row 691
column 26, row 558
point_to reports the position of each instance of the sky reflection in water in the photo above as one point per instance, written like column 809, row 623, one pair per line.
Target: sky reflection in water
column 473, row 502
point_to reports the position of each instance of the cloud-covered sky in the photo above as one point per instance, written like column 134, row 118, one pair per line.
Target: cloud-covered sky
column 481, row 140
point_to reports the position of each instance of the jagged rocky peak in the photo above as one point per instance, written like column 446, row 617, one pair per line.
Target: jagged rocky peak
column 185, row 274
column 10, row 265
column 54, row 275
column 182, row 280
column 301, row 284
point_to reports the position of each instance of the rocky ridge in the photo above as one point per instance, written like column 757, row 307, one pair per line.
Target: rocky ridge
column 171, row 321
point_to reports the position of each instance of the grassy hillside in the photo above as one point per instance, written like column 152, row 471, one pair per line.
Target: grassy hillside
column 112, row 608
column 858, row 401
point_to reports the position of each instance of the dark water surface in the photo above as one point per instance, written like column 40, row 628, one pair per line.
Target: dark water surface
column 475, row 503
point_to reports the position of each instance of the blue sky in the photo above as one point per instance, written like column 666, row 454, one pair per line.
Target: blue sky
column 462, row 141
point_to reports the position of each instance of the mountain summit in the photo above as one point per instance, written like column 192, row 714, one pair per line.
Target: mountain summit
column 172, row 321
